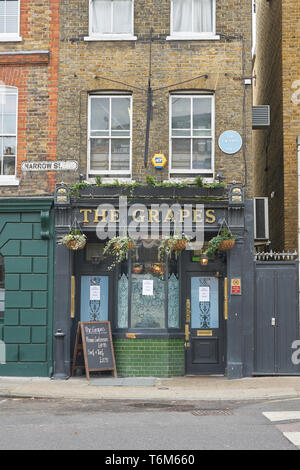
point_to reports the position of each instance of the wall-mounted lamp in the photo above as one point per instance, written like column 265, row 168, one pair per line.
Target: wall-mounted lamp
column 204, row 260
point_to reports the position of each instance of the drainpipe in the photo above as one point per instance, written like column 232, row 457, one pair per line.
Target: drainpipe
column 298, row 146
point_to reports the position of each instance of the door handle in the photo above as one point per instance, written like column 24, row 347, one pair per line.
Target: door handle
column 187, row 332
column 273, row 321
column 188, row 311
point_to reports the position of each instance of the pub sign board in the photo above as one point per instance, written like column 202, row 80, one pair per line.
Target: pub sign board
column 94, row 342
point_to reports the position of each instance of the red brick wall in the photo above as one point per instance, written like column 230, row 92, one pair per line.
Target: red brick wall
column 36, row 77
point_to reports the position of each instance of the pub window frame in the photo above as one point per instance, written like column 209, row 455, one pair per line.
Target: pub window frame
column 149, row 331
column 109, row 171
column 192, row 171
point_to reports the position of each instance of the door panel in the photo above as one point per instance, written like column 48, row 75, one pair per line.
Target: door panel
column 205, row 344
column 94, row 298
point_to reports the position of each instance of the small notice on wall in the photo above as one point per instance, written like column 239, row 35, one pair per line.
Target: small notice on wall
column 236, row 286
column 147, row 287
column 95, row 293
column 204, row 294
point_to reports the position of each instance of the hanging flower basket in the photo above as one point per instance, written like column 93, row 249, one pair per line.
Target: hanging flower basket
column 76, row 240
column 118, row 247
column 224, row 241
column 177, row 245
column 226, row 244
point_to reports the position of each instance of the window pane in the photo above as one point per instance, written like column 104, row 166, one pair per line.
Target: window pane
column 99, row 154
column 203, row 13
column 9, row 124
column 122, row 16
column 181, row 116
column 1, row 7
column 182, row 16
column 9, row 102
column 99, row 115
column 201, row 115
column 11, row 24
column 8, row 165
column 120, row 154
column 2, row 30
column 120, row 116
column 9, row 147
column 181, row 154
column 202, row 150
column 101, row 14
column 12, row 7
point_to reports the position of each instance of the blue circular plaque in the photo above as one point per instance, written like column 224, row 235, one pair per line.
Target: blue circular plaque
column 230, row 142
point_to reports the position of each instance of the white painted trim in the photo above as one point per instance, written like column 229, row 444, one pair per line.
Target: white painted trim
column 110, row 37
column 10, row 38
column 194, row 37
column 9, row 181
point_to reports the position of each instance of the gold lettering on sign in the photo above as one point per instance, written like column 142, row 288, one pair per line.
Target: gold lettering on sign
column 210, row 216
column 170, row 216
column 142, row 217
column 197, row 215
column 184, row 213
column 153, row 215
column 102, row 214
column 114, row 215
column 85, row 215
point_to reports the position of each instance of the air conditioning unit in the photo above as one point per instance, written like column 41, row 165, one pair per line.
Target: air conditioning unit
column 260, row 116
column 261, row 218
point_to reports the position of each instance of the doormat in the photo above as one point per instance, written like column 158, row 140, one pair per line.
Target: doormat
column 123, row 382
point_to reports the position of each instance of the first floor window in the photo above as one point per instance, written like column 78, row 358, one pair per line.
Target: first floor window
column 110, row 135
column 9, row 17
column 8, row 130
column 111, row 17
column 191, row 146
column 192, row 16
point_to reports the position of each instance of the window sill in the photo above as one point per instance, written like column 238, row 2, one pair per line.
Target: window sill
column 111, row 37
column 8, row 38
column 186, row 37
column 9, row 181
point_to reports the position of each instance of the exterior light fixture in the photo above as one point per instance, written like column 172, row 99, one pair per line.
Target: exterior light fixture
column 204, row 260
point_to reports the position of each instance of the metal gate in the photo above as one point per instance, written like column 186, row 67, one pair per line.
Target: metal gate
column 276, row 314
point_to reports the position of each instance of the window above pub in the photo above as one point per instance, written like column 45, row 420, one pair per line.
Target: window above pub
column 109, row 146
column 193, row 19
column 8, row 134
column 10, row 20
column 192, row 134
column 111, row 20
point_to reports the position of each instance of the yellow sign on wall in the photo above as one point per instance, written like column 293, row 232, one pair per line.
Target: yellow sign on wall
column 159, row 161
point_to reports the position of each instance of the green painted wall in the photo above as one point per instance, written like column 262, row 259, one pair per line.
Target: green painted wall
column 149, row 357
column 28, row 259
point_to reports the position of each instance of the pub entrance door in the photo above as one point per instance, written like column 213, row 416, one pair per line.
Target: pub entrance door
column 204, row 323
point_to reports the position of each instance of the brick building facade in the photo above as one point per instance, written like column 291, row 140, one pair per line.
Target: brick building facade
column 29, row 34
column 276, row 67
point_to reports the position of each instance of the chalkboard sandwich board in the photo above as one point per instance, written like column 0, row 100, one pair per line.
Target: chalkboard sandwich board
column 94, row 339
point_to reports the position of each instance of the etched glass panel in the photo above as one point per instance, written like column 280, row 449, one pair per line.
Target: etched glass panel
column 147, row 305
column 173, row 302
column 204, row 302
column 94, row 298
column 123, row 302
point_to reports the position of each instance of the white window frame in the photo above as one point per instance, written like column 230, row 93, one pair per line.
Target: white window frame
column 109, row 36
column 109, row 172
column 10, row 180
column 13, row 37
column 190, row 35
column 210, row 171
